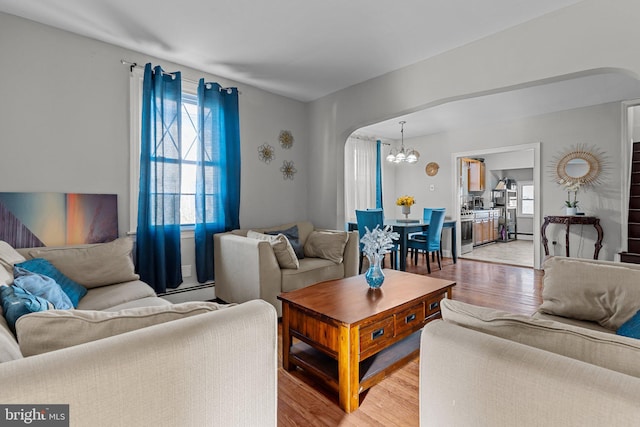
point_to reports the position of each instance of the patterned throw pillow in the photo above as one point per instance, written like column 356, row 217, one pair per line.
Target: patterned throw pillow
column 17, row 302
column 42, row 286
column 294, row 239
column 281, row 248
column 73, row 290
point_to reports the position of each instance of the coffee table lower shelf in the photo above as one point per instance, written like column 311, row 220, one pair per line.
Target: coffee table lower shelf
column 372, row 370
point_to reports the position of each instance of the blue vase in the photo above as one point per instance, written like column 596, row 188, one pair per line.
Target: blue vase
column 374, row 274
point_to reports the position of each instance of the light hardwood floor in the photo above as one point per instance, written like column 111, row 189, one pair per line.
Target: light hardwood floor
column 394, row 402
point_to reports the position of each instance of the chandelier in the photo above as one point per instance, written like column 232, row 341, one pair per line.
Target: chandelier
column 402, row 156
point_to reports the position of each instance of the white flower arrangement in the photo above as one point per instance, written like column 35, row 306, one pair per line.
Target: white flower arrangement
column 572, row 187
column 378, row 241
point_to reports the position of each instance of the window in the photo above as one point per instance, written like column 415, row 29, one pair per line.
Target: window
column 189, row 153
column 526, row 205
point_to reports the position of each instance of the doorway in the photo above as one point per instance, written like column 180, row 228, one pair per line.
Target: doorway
column 519, row 163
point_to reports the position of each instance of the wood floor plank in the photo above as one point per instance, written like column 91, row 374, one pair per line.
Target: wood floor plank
column 394, row 401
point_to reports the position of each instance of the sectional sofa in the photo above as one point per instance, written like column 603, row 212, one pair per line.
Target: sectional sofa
column 563, row 366
column 126, row 357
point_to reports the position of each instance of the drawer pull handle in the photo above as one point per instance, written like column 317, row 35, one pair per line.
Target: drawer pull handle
column 434, row 305
column 377, row 333
column 410, row 318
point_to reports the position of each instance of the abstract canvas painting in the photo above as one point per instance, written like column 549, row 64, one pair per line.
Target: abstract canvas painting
column 54, row 219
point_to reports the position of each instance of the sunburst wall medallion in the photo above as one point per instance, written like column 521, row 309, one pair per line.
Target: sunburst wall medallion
column 266, row 153
column 286, row 139
column 288, row 170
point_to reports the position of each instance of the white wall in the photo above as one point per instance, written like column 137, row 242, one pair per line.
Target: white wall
column 64, row 125
column 557, row 132
column 589, row 36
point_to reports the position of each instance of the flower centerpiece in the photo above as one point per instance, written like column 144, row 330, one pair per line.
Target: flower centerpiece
column 572, row 206
column 375, row 244
column 406, row 202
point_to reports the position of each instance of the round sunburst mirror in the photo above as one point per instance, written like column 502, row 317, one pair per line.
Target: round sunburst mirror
column 578, row 166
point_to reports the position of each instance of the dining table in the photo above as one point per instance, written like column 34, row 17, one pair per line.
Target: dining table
column 406, row 227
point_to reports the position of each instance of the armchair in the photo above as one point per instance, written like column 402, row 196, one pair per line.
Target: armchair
column 247, row 269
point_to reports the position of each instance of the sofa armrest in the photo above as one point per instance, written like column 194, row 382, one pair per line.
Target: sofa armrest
column 468, row 377
column 352, row 255
column 218, row 368
column 245, row 269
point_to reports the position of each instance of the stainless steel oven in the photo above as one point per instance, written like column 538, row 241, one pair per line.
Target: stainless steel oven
column 466, row 232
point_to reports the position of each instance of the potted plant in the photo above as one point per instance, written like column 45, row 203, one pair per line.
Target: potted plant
column 406, row 202
column 572, row 206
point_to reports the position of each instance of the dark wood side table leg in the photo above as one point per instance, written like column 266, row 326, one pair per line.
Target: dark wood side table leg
column 543, row 232
column 454, row 250
column 598, row 245
column 568, row 224
column 286, row 338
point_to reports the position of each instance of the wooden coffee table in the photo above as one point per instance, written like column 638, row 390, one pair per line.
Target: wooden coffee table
column 351, row 337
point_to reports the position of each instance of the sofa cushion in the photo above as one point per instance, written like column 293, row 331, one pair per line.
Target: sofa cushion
column 5, row 277
column 110, row 296
column 9, row 348
column 56, row 329
column 16, row 302
column 304, row 229
column 281, row 248
column 42, row 286
column 93, row 265
column 597, row 348
column 73, row 290
column 142, row 302
column 606, row 293
column 311, row 271
column 8, row 257
column 326, row 244
column 292, row 235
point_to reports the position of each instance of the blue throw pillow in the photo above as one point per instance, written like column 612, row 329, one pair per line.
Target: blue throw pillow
column 41, row 286
column 73, row 290
column 631, row 328
column 294, row 238
column 17, row 302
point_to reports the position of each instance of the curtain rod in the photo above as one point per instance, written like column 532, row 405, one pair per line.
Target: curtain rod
column 133, row 65
column 367, row 138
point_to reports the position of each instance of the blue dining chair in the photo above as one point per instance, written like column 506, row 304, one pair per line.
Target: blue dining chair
column 432, row 243
column 371, row 218
column 426, row 217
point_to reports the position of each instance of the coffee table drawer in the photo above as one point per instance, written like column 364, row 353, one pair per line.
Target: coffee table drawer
column 376, row 336
column 433, row 304
column 410, row 319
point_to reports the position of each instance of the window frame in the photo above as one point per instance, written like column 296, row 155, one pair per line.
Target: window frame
column 520, row 198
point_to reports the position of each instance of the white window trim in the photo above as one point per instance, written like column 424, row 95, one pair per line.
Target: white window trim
column 135, row 128
column 520, row 185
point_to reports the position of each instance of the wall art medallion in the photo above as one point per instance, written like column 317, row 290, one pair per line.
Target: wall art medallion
column 432, row 168
column 266, row 153
column 288, row 170
column 286, row 139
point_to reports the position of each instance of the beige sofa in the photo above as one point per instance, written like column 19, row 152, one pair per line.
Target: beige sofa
column 247, row 268
column 562, row 366
column 127, row 357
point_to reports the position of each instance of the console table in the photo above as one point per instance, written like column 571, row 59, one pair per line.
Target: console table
column 568, row 220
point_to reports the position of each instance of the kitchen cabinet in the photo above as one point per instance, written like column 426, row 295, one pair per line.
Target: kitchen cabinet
column 476, row 175
column 485, row 226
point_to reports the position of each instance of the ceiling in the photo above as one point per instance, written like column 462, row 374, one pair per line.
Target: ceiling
column 306, row 50
column 300, row 49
